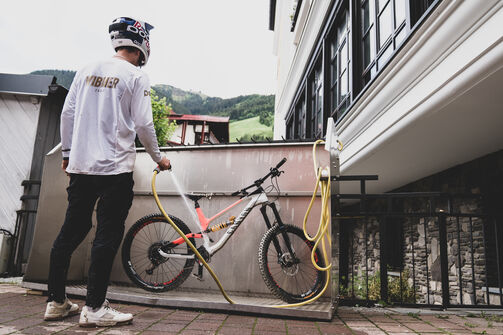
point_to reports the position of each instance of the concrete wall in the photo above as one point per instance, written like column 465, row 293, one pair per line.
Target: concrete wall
column 218, row 169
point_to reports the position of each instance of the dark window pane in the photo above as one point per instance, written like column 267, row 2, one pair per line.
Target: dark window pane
column 366, row 78
column 385, row 25
column 333, row 97
column 366, row 15
column 399, row 12
column 341, row 29
column 368, row 48
column 333, row 68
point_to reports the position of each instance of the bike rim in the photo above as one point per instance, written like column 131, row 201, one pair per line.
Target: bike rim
column 142, row 255
column 295, row 276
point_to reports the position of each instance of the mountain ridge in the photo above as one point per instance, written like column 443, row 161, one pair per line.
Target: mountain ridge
column 191, row 102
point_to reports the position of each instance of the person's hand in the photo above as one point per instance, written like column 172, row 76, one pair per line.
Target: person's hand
column 64, row 165
column 164, row 164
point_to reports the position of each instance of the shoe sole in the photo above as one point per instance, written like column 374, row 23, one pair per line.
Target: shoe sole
column 105, row 324
column 61, row 317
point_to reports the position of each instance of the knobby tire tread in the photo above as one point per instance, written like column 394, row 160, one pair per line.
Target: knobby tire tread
column 126, row 252
column 279, row 292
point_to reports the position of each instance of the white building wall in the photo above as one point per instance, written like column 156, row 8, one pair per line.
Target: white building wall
column 292, row 57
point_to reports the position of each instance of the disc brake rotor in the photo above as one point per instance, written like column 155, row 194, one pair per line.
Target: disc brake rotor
column 289, row 266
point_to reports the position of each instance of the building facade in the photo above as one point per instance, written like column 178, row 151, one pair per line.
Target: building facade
column 414, row 89
column 199, row 129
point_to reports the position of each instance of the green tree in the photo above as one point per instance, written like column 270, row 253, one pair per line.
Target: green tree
column 164, row 128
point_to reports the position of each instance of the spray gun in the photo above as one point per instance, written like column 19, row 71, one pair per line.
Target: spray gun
column 158, row 169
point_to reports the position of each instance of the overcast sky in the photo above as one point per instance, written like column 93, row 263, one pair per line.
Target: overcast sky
column 219, row 47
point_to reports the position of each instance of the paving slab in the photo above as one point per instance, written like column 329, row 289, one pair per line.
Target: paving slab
column 21, row 312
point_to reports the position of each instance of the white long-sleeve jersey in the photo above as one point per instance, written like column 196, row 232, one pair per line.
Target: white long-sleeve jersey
column 107, row 105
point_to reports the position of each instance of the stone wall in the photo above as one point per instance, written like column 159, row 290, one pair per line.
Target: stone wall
column 421, row 259
column 420, row 242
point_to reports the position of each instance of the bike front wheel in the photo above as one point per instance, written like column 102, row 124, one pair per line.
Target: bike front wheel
column 141, row 259
column 285, row 264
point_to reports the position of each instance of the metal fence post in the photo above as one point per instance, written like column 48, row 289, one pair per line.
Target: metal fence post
column 335, row 224
column 444, row 265
column 383, row 265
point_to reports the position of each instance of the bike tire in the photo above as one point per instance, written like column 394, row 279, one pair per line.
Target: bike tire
column 295, row 282
column 138, row 253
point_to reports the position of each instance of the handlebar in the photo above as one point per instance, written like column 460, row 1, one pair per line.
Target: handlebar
column 283, row 161
column 272, row 172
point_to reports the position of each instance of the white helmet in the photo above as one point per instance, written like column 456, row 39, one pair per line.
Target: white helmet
column 125, row 31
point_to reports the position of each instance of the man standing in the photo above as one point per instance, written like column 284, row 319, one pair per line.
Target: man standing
column 107, row 106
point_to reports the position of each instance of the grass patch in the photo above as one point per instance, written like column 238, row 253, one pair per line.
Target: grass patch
column 414, row 315
column 470, row 325
column 250, row 127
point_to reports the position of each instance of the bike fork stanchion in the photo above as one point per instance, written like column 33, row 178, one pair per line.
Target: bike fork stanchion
column 283, row 232
column 263, row 210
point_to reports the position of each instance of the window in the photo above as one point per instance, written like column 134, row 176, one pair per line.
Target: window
column 300, row 110
column 316, row 103
column 418, row 8
column 340, row 69
column 383, row 28
column 206, row 138
column 297, row 121
column 290, row 126
column 359, row 39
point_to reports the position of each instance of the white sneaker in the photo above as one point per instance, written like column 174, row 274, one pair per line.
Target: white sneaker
column 57, row 311
column 103, row 317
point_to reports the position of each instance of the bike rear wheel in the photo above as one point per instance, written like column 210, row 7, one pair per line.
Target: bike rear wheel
column 141, row 259
column 291, row 277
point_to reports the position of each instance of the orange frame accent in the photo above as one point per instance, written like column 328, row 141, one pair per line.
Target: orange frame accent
column 205, row 222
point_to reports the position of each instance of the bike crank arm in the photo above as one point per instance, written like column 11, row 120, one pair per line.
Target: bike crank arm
column 165, row 255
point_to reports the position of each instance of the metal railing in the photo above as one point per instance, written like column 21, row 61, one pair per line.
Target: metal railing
column 448, row 251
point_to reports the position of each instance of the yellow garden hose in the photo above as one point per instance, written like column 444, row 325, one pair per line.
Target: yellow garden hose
column 181, row 233
column 321, row 235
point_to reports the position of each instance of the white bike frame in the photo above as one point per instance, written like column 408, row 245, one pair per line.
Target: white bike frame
column 255, row 200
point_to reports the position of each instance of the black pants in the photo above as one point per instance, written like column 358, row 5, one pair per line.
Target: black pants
column 115, row 196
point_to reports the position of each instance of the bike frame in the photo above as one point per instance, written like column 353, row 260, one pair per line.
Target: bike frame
column 255, row 200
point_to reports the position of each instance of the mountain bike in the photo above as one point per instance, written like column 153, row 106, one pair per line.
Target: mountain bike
column 157, row 259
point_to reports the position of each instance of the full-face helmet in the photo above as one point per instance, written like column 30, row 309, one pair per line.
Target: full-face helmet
column 125, row 31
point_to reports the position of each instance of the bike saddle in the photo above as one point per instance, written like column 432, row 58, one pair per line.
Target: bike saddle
column 194, row 197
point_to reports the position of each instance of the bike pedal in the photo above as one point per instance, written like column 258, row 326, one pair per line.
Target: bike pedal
column 199, row 274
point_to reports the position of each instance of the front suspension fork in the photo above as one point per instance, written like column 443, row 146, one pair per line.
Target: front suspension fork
column 275, row 240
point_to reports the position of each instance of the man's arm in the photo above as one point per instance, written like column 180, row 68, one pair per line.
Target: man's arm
column 141, row 112
column 66, row 127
